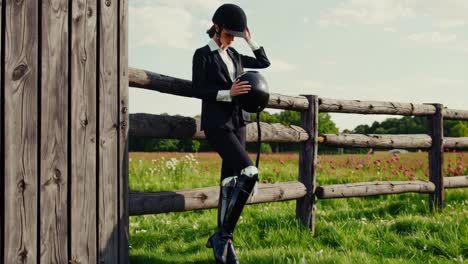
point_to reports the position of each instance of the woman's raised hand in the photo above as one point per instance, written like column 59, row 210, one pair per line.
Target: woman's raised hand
column 248, row 34
column 238, row 87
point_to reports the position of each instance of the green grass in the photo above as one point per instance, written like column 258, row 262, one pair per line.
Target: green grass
column 378, row 229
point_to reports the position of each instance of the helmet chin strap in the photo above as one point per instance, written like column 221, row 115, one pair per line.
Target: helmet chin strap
column 259, row 141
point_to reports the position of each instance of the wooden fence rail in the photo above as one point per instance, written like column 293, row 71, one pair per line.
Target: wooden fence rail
column 180, row 127
column 205, row 198
column 360, row 189
column 139, row 78
column 142, row 203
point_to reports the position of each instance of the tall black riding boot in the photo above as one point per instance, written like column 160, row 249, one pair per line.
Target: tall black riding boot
column 239, row 196
column 225, row 193
column 232, row 209
column 226, row 189
column 221, row 242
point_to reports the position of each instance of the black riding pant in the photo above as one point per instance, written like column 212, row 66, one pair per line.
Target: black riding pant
column 230, row 145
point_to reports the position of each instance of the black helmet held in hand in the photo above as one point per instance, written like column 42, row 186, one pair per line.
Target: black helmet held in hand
column 257, row 98
column 232, row 18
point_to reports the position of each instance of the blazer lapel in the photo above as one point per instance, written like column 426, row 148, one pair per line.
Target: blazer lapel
column 234, row 60
column 220, row 62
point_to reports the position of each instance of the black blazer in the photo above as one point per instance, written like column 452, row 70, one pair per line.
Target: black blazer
column 210, row 74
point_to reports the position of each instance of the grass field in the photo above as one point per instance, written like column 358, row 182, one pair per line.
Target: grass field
column 380, row 229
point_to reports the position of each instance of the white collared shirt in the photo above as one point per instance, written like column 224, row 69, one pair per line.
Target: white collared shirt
column 223, row 95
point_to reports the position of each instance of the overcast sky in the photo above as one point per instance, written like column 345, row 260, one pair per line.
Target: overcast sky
column 386, row 50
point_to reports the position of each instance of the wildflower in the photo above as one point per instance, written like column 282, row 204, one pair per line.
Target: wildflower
column 140, row 231
column 452, row 171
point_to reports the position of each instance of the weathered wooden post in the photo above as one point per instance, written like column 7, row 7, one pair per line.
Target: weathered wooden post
column 436, row 158
column 305, row 207
column 64, row 126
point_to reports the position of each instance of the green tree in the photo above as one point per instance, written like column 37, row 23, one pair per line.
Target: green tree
column 459, row 130
column 326, row 125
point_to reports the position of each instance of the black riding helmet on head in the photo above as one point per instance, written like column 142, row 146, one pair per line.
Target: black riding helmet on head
column 232, row 18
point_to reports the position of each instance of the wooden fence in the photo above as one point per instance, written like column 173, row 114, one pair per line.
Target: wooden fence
column 305, row 191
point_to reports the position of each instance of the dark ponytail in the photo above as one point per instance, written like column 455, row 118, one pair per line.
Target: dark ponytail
column 212, row 31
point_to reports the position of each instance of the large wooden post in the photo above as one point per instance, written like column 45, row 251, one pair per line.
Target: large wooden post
column 305, row 207
column 436, row 158
column 64, row 131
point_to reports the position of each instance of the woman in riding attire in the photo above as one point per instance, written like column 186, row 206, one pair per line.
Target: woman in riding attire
column 214, row 71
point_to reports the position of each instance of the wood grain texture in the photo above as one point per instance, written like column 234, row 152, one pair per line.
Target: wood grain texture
column 374, row 107
column 123, row 135
column 436, row 158
column 181, row 127
column 83, row 132
column 305, row 207
column 205, row 198
column 456, row 182
column 159, row 82
column 54, row 132
column 360, row 189
column 108, row 138
column 456, row 142
column 455, row 114
column 419, row 141
column 21, row 132
column 287, row 102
